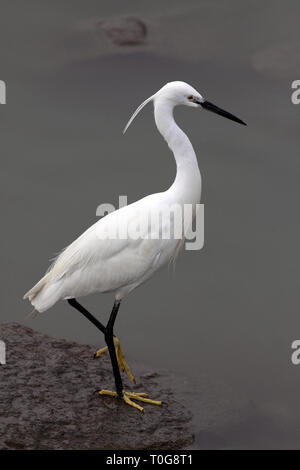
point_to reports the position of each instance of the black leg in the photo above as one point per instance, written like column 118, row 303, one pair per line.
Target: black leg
column 109, row 339
column 88, row 315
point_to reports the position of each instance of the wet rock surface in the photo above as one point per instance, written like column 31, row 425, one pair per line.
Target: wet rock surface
column 124, row 31
column 93, row 38
column 48, row 400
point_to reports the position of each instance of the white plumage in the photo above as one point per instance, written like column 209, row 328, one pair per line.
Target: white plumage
column 95, row 264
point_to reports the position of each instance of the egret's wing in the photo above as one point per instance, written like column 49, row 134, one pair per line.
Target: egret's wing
column 103, row 242
column 100, row 261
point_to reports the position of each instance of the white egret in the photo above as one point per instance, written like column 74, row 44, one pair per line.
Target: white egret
column 95, row 263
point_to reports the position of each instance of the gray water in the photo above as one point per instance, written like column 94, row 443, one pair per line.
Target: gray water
column 231, row 310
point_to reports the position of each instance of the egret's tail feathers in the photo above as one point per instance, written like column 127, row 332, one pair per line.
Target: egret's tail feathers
column 33, row 292
column 32, row 314
column 44, row 294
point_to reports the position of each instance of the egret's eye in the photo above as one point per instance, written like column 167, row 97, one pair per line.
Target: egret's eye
column 190, row 98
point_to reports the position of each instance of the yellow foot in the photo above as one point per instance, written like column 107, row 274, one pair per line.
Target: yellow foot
column 120, row 356
column 129, row 396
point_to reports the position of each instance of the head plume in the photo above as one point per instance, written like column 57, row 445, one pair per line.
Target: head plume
column 136, row 112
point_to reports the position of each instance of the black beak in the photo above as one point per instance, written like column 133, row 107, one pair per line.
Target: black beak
column 214, row 109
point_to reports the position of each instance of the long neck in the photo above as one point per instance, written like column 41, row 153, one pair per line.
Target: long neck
column 188, row 179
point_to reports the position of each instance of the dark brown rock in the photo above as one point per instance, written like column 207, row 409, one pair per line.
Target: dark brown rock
column 124, row 31
column 48, row 400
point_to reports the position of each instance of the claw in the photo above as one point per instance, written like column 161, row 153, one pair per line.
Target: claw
column 128, row 398
column 120, row 356
column 100, row 351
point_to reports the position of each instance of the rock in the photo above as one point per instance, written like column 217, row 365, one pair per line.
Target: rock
column 94, row 38
column 48, row 400
column 124, row 31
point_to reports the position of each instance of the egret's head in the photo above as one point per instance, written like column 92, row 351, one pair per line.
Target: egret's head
column 181, row 93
